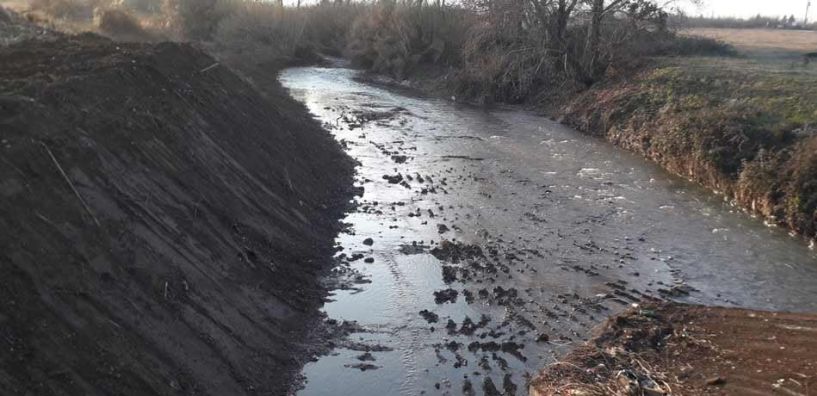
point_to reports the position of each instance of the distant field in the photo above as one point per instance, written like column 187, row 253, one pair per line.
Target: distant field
column 763, row 40
column 763, row 52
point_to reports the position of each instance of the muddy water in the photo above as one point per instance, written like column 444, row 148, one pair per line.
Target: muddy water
column 569, row 230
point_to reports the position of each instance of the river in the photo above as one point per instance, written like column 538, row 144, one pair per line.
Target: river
column 569, row 228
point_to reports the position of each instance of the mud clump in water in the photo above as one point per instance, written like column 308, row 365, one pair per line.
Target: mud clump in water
column 363, row 366
column 455, row 252
column 489, row 388
column 366, row 357
column 429, row 316
column 413, row 248
column 444, row 296
column 449, row 274
column 393, row 179
column 122, row 25
column 468, row 388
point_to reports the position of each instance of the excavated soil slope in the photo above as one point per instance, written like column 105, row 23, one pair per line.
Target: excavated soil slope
column 163, row 224
column 675, row 349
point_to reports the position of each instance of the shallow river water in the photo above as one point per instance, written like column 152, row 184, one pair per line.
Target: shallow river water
column 569, row 228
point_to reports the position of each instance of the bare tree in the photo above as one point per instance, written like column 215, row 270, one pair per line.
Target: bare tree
column 636, row 10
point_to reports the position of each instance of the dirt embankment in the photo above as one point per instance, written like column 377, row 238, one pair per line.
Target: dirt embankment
column 163, row 224
column 674, row 349
column 736, row 126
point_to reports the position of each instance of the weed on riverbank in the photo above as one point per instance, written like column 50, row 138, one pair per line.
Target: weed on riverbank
column 737, row 125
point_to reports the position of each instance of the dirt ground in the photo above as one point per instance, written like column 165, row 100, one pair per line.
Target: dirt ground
column 164, row 225
column 673, row 349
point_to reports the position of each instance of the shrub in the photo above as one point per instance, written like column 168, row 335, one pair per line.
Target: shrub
column 71, row 10
column 122, row 25
column 396, row 38
column 199, row 19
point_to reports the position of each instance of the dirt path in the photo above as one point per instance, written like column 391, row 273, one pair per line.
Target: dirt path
column 691, row 350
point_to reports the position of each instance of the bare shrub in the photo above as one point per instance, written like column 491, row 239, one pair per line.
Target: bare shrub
column 395, row 38
column 328, row 24
column 508, row 55
column 490, row 50
column 503, row 50
column 122, row 25
column 143, row 6
column 263, row 31
column 199, row 19
column 72, row 10
column 119, row 19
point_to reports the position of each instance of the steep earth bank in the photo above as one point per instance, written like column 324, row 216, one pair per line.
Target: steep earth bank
column 667, row 348
column 164, row 225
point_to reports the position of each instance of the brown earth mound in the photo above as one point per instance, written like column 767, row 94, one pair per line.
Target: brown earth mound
column 162, row 225
column 674, row 349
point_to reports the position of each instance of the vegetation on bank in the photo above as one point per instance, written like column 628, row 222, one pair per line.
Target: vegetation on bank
column 503, row 50
column 743, row 130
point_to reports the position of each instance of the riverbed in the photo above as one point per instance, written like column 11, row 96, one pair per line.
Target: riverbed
column 487, row 243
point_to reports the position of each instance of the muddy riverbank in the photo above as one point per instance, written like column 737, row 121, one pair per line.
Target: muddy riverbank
column 164, row 225
column 488, row 243
column 666, row 348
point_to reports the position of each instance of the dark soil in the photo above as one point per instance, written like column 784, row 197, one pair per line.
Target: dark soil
column 163, row 224
column 675, row 349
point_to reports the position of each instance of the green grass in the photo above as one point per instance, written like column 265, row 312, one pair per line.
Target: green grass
column 781, row 97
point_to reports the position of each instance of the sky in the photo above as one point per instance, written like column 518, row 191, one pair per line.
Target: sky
column 747, row 8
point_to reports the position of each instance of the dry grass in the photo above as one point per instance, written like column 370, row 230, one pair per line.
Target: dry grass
column 754, row 40
column 763, row 53
column 397, row 39
column 15, row 5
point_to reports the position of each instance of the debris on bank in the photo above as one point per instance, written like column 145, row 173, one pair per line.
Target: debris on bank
column 662, row 348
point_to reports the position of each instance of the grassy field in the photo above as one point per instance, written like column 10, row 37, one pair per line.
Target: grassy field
column 762, row 50
column 769, row 71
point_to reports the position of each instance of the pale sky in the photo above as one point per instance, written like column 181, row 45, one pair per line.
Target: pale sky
column 747, row 8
